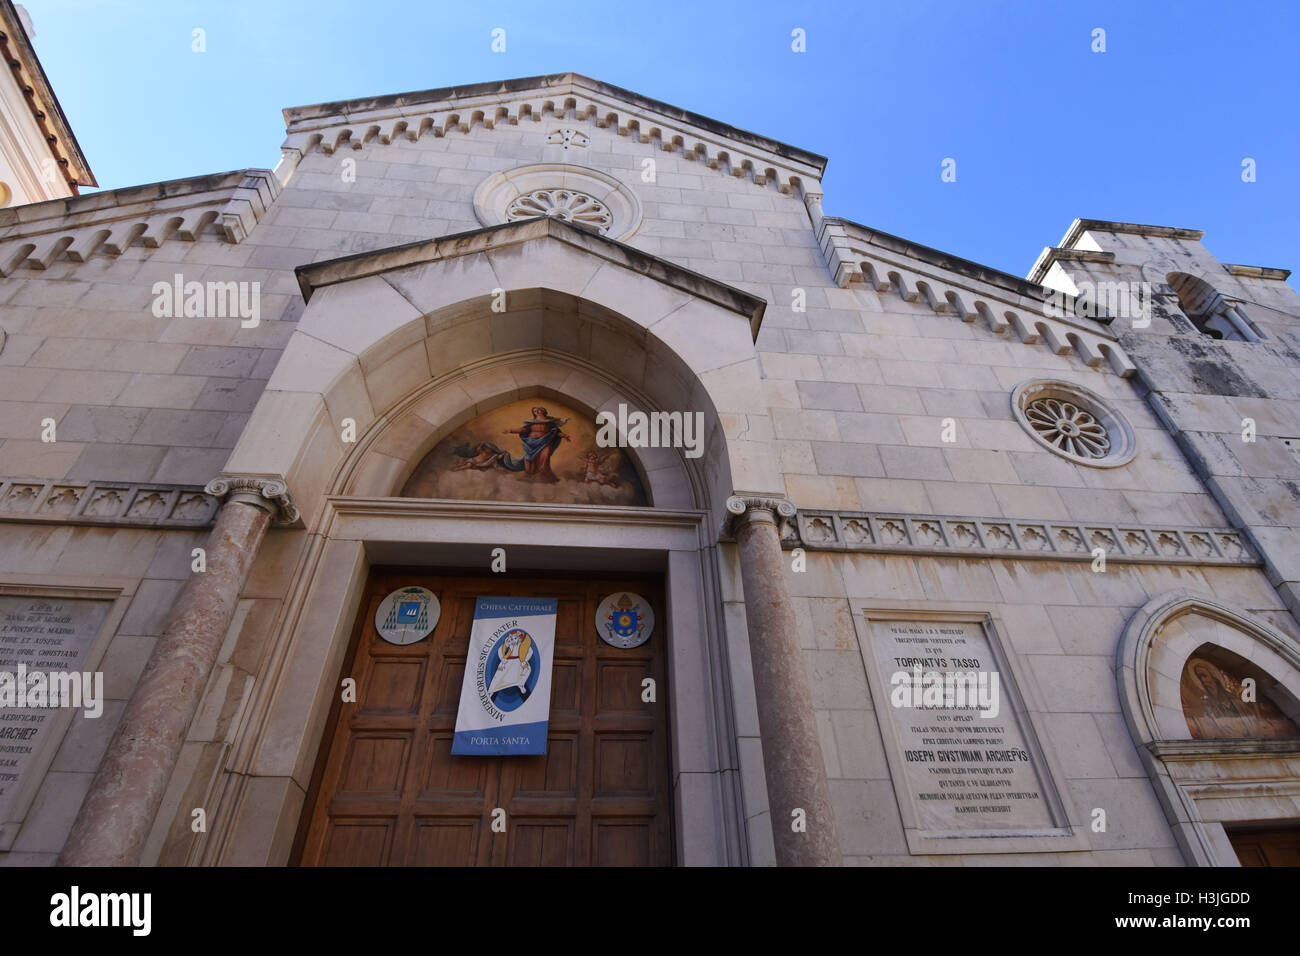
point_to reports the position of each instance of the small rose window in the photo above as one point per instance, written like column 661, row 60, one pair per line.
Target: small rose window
column 578, row 194
column 565, row 204
column 1074, row 422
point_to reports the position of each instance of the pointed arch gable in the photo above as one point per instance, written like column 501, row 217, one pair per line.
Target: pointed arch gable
column 1154, row 650
column 381, row 326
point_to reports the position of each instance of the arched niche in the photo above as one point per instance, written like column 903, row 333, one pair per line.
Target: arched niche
column 388, row 457
column 1208, row 782
column 417, row 378
column 1165, row 633
column 1208, row 310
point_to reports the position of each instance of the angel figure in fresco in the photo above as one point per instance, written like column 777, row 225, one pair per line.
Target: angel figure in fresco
column 540, row 436
column 600, row 470
column 480, row 457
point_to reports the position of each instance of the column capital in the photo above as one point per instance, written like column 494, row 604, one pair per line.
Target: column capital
column 268, row 492
column 770, row 509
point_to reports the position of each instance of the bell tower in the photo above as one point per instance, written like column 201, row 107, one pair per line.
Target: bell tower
column 1217, row 347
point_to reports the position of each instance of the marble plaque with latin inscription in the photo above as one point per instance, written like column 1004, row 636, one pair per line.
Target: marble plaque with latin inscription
column 43, row 634
column 963, row 754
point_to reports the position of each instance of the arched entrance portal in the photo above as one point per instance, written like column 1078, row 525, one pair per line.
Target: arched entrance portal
column 386, row 788
column 404, row 350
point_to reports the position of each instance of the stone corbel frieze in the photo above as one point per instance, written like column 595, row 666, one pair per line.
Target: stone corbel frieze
column 114, row 503
column 860, row 531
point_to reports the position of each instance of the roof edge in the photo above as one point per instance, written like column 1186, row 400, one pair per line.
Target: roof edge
column 1051, row 254
column 30, row 214
column 296, row 114
column 946, row 260
column 16, row 42
column 1080, row 226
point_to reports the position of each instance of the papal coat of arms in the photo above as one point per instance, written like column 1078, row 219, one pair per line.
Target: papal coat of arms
column 407, row 615
column 624, row 619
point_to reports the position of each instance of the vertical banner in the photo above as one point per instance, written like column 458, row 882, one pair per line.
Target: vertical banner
column 505, row 698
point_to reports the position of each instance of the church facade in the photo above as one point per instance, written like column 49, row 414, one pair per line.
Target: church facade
column 924, row 563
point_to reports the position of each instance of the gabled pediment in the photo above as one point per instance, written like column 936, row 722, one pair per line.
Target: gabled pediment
column 329, row 272
column 569, row 99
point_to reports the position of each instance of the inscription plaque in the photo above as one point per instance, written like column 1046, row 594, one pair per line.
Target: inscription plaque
column 42, row 634
column 966, row 766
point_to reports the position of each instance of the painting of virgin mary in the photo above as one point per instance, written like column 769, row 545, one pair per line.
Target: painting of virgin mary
column 528, row 451
column 541, row 437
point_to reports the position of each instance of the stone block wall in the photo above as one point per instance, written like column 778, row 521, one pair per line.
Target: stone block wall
column 858, row 385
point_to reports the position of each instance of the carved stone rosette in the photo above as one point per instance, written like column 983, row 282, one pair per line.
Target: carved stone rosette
column 262, row 491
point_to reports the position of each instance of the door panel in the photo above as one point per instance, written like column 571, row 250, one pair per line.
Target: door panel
column 1272, row 846
column 388, row 791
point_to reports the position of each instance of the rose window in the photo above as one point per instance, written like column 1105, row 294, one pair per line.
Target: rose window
column 1074, row 422
column 1068, row 427
column 565, row 204
column 571, row 193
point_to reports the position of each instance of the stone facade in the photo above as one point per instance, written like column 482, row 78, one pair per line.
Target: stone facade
column 865, row 455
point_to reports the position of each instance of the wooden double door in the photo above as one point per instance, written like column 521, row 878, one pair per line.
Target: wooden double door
column 387, row 790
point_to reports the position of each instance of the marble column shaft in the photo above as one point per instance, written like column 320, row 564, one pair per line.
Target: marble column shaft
column 128, row 788
column 792, row 753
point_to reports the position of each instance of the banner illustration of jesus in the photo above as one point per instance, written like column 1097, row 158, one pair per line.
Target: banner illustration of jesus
column 505, row 698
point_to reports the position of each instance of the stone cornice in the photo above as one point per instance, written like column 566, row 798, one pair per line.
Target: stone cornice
column 1066, row 251
column 528, row 510
column 1004, row 304
column 115, row 503
column 267, row 491
column 568, row 97
column 27, row 71
column 226, row 205
column 317, row 275
column 1257, row 272
column 1054, row 254
column 1080, row 226
column 1217, row 749
column 947, row 536
column 996, row 281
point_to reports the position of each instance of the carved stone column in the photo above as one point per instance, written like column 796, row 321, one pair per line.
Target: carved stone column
column 118, row 812
column 792, row 753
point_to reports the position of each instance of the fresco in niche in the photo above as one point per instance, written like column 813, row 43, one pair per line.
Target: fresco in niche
column 1213, row 706
column 533, row 450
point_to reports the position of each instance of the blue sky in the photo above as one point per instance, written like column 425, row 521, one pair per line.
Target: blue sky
column 1042, row 128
